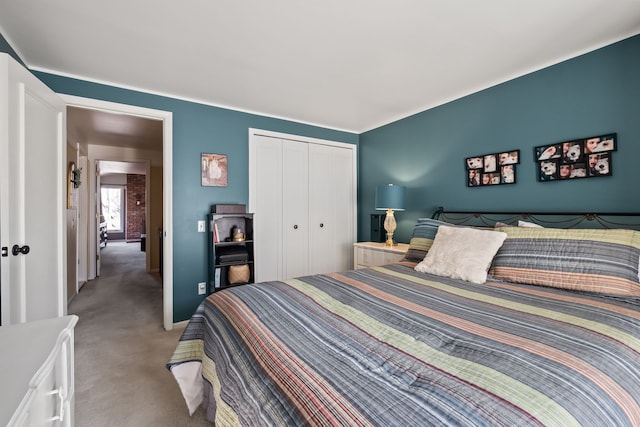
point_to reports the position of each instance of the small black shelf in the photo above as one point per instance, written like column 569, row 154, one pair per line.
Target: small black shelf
column 222, row 273
column 222, row 244
column 226, row 264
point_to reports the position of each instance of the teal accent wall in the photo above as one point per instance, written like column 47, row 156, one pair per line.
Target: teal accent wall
column 197, row 129
column 6, row 48
column 593, row 94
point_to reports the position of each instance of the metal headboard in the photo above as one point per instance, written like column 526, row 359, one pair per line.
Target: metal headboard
column 545, row 219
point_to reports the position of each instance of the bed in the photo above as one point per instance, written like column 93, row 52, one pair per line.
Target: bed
column 551, row 336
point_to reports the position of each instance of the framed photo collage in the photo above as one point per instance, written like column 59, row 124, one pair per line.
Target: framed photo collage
column 492, row 169
column 580, row 158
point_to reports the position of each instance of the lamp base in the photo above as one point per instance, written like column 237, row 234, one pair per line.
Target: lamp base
column 390, row 227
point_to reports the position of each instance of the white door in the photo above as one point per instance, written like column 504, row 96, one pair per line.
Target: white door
column 83, row 225
column 331, row 207
column 279, row 182
column 33, row 197
column 265, row 170
column 295, row 209
column 72, row 253
column 98, row 210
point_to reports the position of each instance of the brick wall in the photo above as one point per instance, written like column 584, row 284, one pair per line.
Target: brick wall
column 135, row 213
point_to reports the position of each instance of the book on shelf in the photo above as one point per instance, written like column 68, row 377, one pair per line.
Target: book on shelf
column 216, row 233
column 216, row 279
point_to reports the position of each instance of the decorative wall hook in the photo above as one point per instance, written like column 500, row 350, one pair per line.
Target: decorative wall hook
column 76, row 175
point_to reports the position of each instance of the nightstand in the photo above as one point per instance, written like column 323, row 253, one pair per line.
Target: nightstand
column 372, row 254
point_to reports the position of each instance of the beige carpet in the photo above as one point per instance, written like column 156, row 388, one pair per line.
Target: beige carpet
column 121, row 348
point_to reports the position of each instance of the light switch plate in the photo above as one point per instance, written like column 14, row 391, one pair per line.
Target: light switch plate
column 202, row 288
column 201, row 226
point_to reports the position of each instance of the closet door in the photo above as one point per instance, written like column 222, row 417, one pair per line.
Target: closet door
column 295, row 209
column 279, row 200
column 265, row 201
column 302, row 192
column 331, row 208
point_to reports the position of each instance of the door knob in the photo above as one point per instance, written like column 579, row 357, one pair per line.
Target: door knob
column 321, row 224
column 16, row 249
column 295, row 227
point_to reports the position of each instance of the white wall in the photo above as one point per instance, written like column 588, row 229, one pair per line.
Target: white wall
column 113, row 179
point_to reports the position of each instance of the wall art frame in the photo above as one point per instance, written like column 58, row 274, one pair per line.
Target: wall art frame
column 577, row 158
column 214, row 170
column 492, row 169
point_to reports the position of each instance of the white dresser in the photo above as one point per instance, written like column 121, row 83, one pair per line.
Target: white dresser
column 36, row 385
column 373, row 254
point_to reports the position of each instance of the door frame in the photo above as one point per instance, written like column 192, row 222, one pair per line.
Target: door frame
column 167, row 184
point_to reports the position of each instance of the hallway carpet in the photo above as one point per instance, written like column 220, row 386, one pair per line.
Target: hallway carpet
column 121, row 348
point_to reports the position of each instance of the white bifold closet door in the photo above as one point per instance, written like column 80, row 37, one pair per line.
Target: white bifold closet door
column 295, row 209
column 302, row 192
column 331, row 208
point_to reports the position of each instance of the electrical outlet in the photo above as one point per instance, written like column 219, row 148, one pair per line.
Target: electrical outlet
column 202, row 288
column 201, row 226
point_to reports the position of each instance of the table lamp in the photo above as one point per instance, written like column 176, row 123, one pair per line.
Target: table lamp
column 390, row 198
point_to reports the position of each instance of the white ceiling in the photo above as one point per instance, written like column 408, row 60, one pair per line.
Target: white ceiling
column 96, row 127
column 344, row 64
column 114, row 130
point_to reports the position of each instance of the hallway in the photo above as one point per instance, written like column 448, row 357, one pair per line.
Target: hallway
column 121, row 348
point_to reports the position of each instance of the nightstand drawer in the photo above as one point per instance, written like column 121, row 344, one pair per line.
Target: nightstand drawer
column 372, row 254
column 367, row 257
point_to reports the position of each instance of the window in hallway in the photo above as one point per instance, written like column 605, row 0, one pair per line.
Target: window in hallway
column 112, row 207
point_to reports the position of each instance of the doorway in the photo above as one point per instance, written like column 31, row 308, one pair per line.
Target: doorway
column 123, row 152
column 125, row 208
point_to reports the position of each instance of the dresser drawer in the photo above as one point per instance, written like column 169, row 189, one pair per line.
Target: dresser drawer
column 46, row 403
column 53, row 386
column 37, row 387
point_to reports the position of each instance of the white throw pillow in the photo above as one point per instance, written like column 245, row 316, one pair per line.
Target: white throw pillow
column 462, row 253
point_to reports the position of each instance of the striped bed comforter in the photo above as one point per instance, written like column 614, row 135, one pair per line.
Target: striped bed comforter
column 388, row 346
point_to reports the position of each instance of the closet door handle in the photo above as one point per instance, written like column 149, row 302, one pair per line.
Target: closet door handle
column 321, row 224
column 16, row 250
column 295, row 227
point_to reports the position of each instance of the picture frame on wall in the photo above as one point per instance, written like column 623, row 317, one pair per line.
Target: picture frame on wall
column 574, row 159
column 492, row 169
column 214, row 170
